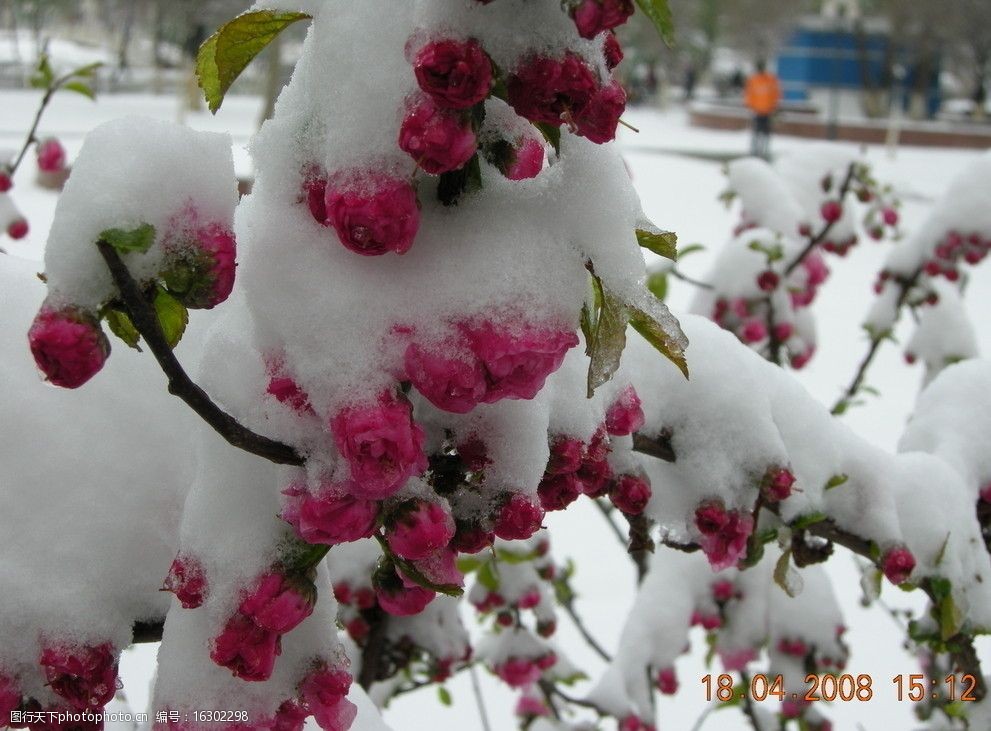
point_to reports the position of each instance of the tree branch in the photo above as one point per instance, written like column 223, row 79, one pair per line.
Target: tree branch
column 657, row 446
column 641, row 544
column 373, row 653
column 569, row 607
column 858, row 379
column 146, row 632
column 180, row 384
column 827, row 226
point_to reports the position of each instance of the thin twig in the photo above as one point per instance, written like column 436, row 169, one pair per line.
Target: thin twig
column 569, row 607
column 607, row 514
column 705, row 714
column 180, row 384
column 749, row 710
column 875, row 344
column 373, row 653
column 677, row 274
column 479, row 698
column 641, row 544
column 658, row 446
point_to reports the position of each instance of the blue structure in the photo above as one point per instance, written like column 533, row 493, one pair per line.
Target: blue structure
column 820, row 58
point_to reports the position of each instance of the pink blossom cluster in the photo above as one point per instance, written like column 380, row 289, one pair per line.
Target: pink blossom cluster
column 83, row 676
column 67, row 342
column 723, row 533
column 955, row 249
column 522, row 671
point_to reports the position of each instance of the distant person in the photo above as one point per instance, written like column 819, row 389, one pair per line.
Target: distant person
column 762, row 95
column 690, row 79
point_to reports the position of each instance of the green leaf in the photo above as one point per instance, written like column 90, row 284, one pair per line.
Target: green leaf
column 950, row 618
column 836, row 480
column 172, row 316
column 740, row 691
column 452, row 185
column 120, row 325
column 660, row 15
column 690, row 249
column 86, row 71
column 487, row 576
column 43, row 75
column 125, row 241
column 608, row 339
column 80, row 87
column 804, row 521
column 551, row 133
column 444, row 695
column 659, row 328
column 225, row 54
column 468, row 564
column 662, row 243
column 657, row 283
column 781, row 570
column 942, row 550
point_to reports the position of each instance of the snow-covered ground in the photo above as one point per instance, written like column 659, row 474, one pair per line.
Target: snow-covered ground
column 678, row 175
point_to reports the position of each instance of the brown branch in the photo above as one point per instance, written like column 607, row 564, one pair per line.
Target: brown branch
column 641, row 544
column 145, row 632
column 851, row 390
column 374, row 666
column 657, row 446
column 569, row 608
column 180, row 384
column 749, row 710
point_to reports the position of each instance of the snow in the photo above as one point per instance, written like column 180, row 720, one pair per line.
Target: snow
column 686, row 188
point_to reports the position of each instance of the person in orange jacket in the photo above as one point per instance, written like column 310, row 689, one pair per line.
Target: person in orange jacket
column 762, row 95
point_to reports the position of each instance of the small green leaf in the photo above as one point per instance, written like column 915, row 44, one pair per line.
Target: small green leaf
column 43, row 75
column 660, row 15
column 690, row 249
column 487, row 576
column 172, row 316
column 659, row 328
column 608, row 339
column 456, row 183
column 657, row 283
column 125, row 241
column 740, row 692
column 551, row 133
column 836, row 480
column 870, row 389
column 86, row 71
column 942, row 550
column 120, row 325
column 444, row 695
column 80, row 87
column 804, row 521
column 662, row 243
column 225, row 54
column 781, row 570
column 468, row 564
column 950, row 618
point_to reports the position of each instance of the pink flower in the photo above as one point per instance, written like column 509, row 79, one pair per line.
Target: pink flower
column 518, row 519
column 723, row 590
column 187, row 581
column 395, row 597
column 527, row 160
column 279, row 603
column 783, row 331
column 373, row 214
column 10, row 698
column 471, row 537
column 382, row 444
column 330, row 517
column 68, row 346
column 557, row 492
column 517, row 363
column 598, row 119
column 815, row 268
column 201, row 267
column 736, row 660
column 897, row 564
column 324, row 694
column 518, row 672
column 986, row 493
column 612, row 51
column 631, row 493
column 418, row 528
column 473, row 453
column 86, row 677
column 566, row 455
column 529, row 707
column 890, row 216
column 724, row 534
column 634, row 723
column 439, row 140
column 831, row 211
column 800, row 360
column 529, row 599
column 440, row 567
column 451, row 381
column 6, row 182
column 667, row 681
column 594, row 16
column 290, row 716
column 18, row 228
column 767, row 280
column 754, row 330
column 247, row 650
column 456, row 74
column 288, row 392
column 777, row 484
column 791, row 708
column 595, row 474
column 315, row 195
column 625, row 416
column 544, row 89
column 795, row 648
column 51, row 156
